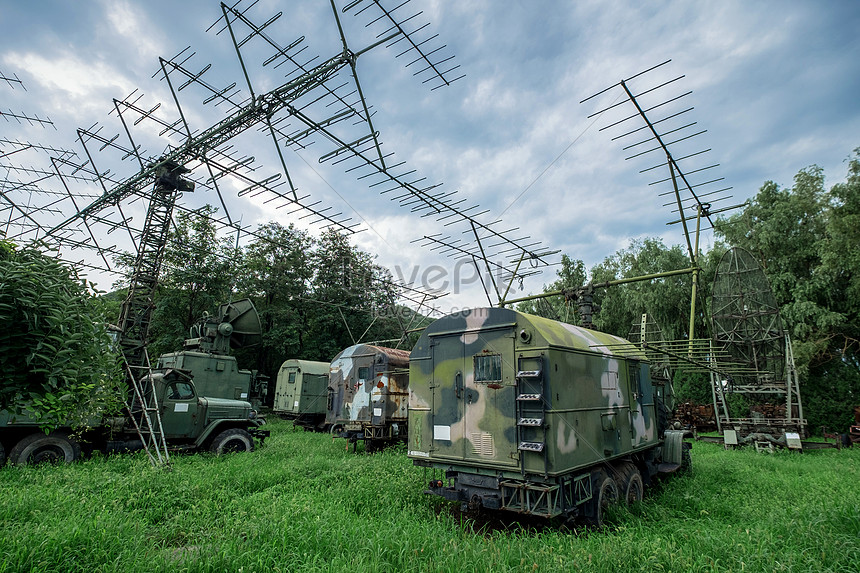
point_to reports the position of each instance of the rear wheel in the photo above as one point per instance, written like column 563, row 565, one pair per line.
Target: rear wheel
column 232, row 440
column 631, row 488
column 37, row 448
column 606, row 495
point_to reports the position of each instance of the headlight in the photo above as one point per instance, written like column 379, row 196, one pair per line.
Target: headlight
column 252, row 414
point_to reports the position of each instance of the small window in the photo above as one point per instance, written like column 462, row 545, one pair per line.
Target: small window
column 292, row 378
column 180, row 391
column 488, row 368
column 364, row 373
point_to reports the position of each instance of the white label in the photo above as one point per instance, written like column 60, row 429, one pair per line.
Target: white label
column 418, row 454
column 180, row 407
column 296, row 404
column 442, row 433
column 243, row 395
column 377, row 412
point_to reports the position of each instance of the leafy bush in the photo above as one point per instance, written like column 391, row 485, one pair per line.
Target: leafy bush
column 57, row 358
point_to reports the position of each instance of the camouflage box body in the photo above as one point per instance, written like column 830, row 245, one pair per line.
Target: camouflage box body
column 516, row 411
column 301, row 392
column 369, row 394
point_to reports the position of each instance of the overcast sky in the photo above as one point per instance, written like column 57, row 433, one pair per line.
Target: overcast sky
column 775, row 84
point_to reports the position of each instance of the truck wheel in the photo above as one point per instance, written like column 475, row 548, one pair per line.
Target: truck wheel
column 606, row 496
column 629, row 482
column 232, row 440
column 2, row 456
column 37, row 448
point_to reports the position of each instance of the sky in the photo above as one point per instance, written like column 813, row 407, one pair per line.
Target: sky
column 774, row 89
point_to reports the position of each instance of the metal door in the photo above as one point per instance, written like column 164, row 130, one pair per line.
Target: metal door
column 474, row 397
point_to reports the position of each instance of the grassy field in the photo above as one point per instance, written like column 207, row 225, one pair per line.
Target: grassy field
column 303, row 503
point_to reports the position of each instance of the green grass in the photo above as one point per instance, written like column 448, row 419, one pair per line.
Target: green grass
column 303, row 503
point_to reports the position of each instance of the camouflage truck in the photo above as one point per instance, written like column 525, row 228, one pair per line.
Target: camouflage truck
column 515, row 412
column 301, row 393
column 190, row 422
column 368, row 395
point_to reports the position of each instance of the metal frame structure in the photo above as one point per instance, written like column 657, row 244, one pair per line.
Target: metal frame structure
column 747, row 324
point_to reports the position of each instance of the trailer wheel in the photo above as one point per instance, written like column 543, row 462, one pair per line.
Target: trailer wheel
column 52, row 448
column 607, row 495
column 232, row 440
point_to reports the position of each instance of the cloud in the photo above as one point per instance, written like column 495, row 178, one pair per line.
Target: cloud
column 774, row 84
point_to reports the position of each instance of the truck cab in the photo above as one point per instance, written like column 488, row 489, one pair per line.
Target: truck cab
column 191, row 421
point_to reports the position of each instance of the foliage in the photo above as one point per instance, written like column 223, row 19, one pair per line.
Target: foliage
column 571, row 275
column 56, row 354
column 692, row 387
column 315, row 296
column 666, row 299
column 198, row 271
column 277, row 274
column 619, row 307
column 805, row 238
column 304, row 503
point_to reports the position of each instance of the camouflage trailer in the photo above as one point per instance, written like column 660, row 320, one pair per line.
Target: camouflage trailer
column 301, row 393
column 520, row 413
column 368, row 395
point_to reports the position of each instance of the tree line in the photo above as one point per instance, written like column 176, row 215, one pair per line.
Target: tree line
column 315, row 295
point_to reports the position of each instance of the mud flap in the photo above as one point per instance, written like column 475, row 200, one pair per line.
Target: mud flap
column 673, row 450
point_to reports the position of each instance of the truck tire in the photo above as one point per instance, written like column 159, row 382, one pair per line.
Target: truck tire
column 38, row 448
column 631, row 488
column 232, row 440
column 2, row 456
column 605, row 496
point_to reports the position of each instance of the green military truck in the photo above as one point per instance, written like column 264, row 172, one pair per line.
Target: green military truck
column 190, row 422
column 301, row 393
column 519, row 413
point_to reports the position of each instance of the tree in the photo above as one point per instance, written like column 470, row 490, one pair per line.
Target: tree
column 353, row 295
column 58, row 360
column 197, row 275
column 805, row 239
column 571, row 275
column 276, row 273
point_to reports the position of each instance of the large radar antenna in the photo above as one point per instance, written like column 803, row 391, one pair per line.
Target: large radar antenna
column 746, row 323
